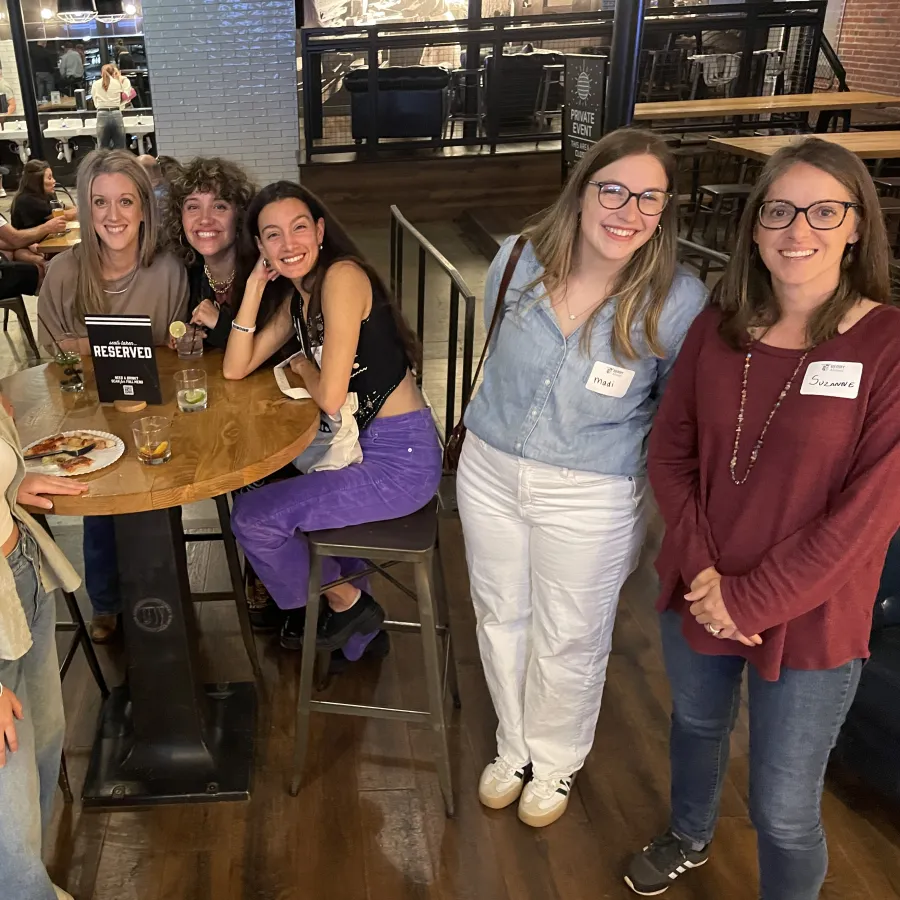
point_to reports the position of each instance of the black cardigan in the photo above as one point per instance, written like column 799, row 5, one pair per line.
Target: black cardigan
column 199, row 289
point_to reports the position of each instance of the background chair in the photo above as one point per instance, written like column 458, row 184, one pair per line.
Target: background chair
column 17, row 305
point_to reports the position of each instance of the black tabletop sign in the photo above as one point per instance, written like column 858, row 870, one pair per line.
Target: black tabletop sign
column 124, row 358
column 585, row 93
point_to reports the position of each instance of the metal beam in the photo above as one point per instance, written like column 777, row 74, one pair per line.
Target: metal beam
column 625, row 54
column 26, row 78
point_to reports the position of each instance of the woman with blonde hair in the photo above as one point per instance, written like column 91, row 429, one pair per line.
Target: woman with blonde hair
column 116, row 269
column 111, row 93
column 775, row 460
column 551, row 480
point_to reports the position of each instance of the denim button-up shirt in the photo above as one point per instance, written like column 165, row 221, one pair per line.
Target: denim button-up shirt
column 545, row 398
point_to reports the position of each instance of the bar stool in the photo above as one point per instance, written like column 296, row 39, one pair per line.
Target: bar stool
column 412, row 539
column 720, row 195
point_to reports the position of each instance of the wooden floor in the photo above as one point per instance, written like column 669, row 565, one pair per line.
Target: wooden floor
column 369, row 822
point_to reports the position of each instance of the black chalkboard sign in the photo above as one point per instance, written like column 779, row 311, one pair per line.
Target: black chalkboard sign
column 585, row 95
column 124, row 358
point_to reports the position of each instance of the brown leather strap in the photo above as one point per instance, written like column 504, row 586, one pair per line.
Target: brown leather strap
column 511, row 264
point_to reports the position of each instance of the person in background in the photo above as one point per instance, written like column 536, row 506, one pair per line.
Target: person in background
column 124, row 59
column 32, row 722
column 204, row 222
column 552, row 476
column 775, row 461
column 109, row 93
column 20, row 276
column 6, row 92
column 326, row 294
column 117, row 268
column 35, row 200
column 45, row 65
column 71, row 69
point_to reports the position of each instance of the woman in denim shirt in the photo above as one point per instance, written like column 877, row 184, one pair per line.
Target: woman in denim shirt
column 551, row 480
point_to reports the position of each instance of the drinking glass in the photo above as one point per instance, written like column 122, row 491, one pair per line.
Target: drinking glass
column 152, row 437
column 66, row 355
column 190, row 390
column 190, row 345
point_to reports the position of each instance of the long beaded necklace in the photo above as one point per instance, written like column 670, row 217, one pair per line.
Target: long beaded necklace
column 740, row 419
column 219, row 287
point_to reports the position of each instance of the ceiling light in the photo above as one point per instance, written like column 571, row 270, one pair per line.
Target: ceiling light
column 46, row 13
column 130, row 9
column 109, row 11
column 75, row 12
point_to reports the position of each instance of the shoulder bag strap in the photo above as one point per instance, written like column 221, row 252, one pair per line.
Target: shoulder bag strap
column 511, row 264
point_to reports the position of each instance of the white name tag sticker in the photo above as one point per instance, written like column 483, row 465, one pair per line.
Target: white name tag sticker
column 832, row 379
column 611, row 381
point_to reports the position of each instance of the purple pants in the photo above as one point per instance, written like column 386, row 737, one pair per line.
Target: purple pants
column 399, row 474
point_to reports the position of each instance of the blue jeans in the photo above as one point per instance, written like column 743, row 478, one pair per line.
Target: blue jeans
column 28, row 780
column 101, row 565
column 111, row 130
column 794, row 723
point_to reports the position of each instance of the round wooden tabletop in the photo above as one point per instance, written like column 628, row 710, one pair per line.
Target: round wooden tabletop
column 56, row 243
column 249, row 430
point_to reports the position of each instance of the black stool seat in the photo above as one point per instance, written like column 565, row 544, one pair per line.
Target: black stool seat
column 411, row 535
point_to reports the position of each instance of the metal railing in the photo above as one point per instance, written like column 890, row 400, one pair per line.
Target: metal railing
column 338, row 120
column 459, row 292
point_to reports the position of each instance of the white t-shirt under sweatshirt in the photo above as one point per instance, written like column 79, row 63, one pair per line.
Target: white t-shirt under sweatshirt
column 111, row 97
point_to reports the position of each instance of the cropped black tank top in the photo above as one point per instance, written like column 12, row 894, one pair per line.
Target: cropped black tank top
column 380, row 363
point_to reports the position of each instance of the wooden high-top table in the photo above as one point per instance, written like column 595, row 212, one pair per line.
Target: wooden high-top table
column 865, row 144
column 164, row 736
column 716, row 107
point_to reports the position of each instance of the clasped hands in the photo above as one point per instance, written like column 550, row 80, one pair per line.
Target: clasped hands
column 708, row 608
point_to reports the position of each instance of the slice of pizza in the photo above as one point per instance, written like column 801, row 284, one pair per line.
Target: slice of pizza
column 48, row 445
column 75, row 463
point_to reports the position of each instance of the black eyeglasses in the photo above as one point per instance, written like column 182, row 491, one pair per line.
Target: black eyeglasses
column 824, row 215
column 614, row 196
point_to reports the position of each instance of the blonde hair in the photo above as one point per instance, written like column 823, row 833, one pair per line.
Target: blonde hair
column 744, row 292
column 108, row 72
column 89, row 295
column 642, row 286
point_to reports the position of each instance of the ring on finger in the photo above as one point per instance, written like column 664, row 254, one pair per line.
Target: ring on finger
column 713, row 631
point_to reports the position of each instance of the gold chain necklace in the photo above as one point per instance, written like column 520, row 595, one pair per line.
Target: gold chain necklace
column 219, row 287
column 754, row 453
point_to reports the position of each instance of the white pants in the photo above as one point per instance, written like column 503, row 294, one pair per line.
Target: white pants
column 548, row 551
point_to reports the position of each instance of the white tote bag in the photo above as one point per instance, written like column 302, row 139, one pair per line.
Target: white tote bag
column 336, row 446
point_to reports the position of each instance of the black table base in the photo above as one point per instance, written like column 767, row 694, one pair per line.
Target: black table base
column 164, row 736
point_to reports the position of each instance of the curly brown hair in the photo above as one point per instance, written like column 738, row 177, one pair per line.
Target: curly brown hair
column 214, row 175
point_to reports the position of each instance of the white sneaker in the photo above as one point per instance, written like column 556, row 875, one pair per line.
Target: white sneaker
column 61, row 894
column 500, row 784
column 2, row 192
column 545, row 800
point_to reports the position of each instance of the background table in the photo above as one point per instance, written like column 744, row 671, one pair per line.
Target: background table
column 164, row 736
column 56, row 243
column 823, row 101
column 865, row 144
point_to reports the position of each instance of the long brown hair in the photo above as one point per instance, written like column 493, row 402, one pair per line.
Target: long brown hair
column 108, row 72
column 643, row 284
column 89, row 296
column 31, row 181
column 337, row 246
column 744, row 293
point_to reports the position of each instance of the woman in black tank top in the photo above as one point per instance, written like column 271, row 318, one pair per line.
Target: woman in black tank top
column 354, row 341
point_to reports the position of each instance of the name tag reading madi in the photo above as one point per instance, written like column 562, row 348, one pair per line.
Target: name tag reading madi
column 832, row 379
column 611, row 381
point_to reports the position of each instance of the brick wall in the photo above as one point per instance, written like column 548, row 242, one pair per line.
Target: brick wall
column 868, row 44
column 10, row 73
column 224, row 81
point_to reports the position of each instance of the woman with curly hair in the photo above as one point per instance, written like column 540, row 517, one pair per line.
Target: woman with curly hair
column 207, row 202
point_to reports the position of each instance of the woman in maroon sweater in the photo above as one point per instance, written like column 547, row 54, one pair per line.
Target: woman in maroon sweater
column 775, row 460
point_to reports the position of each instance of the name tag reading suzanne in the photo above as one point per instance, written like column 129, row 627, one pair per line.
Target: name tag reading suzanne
column 832, row 379
column 611, row 381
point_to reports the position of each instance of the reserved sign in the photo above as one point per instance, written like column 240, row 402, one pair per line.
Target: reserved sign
column 124, row 358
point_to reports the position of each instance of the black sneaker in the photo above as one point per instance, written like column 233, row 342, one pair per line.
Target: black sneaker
column 336, row 628
column 378, row 648
column 265, row 614
column 657, row 866
column 292, row 629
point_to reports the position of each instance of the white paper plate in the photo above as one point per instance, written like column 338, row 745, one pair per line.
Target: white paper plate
column 100, row 459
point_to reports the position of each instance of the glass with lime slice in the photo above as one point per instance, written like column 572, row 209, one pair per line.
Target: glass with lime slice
column 190, row 390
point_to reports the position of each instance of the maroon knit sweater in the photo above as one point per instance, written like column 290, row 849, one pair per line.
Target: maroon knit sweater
column 801, row 544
